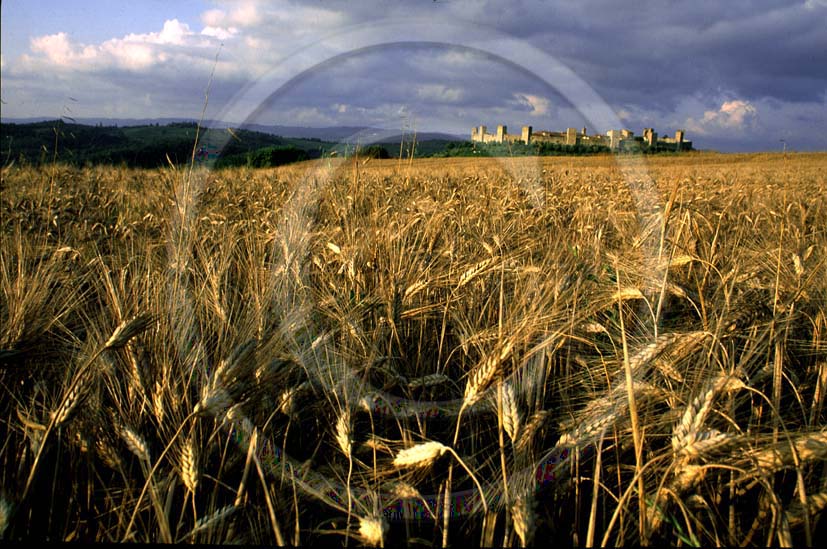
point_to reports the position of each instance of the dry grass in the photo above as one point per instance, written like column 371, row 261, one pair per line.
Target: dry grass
column 250, row 356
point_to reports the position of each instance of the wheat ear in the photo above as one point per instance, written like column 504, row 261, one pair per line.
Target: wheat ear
column 189, row 465
column 372, row 531
column 686, row 433
column 485, row 374
column 421, row 455
column 511, row 413
column 136, row 444
column 77, row 389
column 206, row 522
column 128, row 329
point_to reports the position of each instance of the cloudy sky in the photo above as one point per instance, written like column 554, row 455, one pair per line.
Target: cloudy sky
column 735, row 75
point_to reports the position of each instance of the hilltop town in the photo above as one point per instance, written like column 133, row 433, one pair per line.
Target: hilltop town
column 616, row 140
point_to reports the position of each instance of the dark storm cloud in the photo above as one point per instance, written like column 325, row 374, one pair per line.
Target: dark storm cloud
column 746, row 71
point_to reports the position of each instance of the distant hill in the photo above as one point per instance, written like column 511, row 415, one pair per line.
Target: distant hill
column 351, row 134
column 150, row 144
column 146, row 146
column 335, row 134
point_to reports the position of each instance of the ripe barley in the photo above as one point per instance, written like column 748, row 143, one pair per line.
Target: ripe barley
column 421, row 455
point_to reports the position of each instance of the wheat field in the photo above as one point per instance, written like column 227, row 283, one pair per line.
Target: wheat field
column 417, row 352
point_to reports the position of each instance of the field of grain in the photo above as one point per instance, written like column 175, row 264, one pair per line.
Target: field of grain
column 500, row 351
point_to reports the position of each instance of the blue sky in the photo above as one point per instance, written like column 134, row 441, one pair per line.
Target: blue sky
column 736, row 76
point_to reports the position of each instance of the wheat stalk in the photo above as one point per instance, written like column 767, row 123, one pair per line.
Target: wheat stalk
column 796, row 512
column 5, row 515
column 522, row 517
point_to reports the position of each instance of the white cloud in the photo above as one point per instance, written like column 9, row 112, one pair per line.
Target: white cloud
column 214, row 18
column 174, row 32
column 244, row 14
column 732, row 116
column 133, row 52
column 56, row 47
column 220, row 32
column 538, row 105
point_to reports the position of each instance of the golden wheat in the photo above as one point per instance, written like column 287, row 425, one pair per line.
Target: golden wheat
column 442, row 282
column 421, row 455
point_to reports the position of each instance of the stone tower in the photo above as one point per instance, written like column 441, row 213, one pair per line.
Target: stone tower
column 614, row 139
column 526, row 135
column 571, row 136
column 501, row 131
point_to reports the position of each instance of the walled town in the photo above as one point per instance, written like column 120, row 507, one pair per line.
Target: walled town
column 616, row 140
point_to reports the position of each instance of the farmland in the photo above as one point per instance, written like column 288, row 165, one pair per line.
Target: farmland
column 417, row 352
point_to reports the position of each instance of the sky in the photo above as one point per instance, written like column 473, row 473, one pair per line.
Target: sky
column 737, row 75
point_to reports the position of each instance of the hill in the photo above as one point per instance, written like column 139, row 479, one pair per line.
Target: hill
column 144, row 146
